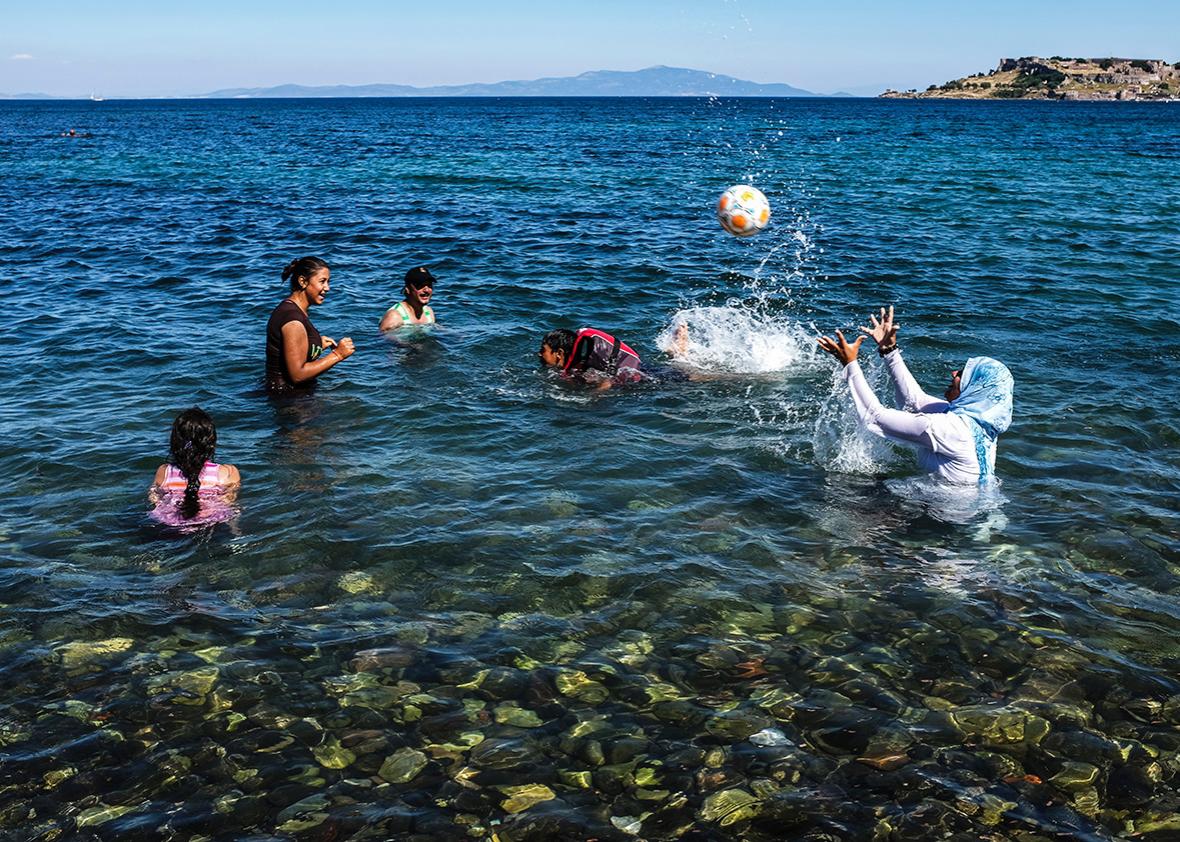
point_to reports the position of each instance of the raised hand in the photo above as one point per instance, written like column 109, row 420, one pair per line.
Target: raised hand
column 840, row 348
column 883, row 331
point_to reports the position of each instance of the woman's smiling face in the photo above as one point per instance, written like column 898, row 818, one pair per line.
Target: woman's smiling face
column 317, row 286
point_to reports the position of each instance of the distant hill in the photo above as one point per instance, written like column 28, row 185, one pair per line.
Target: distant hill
column 31, row 96
column 652, row 81
column 1062, row 78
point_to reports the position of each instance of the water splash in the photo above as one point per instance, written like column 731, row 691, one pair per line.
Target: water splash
column 738, row 338
column 839, row 441
column 800, row 243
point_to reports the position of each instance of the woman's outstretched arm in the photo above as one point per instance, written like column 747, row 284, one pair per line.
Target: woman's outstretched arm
column 909, row 427
column 906, row 389
column 890, row 423
column 909, row 394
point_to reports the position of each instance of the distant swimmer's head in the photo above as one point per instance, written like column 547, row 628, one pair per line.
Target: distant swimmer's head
column 194, row 441
column 556, row 347
column 309, row 275
column 419, row 286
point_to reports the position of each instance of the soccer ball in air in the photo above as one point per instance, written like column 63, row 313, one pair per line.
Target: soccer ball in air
column 743, row 211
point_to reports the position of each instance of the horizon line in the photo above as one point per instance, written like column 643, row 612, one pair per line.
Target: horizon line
column 410, row 91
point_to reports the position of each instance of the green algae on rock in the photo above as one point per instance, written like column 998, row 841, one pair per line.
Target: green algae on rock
column 81, row 654
column 521, row 798
column 403, row 766
column 331, row 755
column 730, row 806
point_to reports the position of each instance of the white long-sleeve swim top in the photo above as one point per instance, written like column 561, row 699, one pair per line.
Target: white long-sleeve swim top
column 943, row 440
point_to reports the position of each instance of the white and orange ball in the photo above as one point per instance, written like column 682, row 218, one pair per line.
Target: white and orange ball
column 743, row 210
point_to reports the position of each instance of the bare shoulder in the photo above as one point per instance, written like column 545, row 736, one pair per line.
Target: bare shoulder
column 161, row 472
column 391, row 319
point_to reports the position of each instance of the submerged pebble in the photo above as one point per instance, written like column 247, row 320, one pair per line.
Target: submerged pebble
column 403, row 766
column 521, row 798
column 81, row 654
column 730, row 806
column 101, row 814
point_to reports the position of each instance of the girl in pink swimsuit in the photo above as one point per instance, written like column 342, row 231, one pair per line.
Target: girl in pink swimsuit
column 191, row 489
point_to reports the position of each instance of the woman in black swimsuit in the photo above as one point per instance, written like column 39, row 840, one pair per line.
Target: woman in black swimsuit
column 294, row 348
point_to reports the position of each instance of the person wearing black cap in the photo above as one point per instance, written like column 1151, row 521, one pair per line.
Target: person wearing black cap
column 415, row 308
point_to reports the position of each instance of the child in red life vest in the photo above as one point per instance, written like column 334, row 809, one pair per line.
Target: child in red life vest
column 592, row 356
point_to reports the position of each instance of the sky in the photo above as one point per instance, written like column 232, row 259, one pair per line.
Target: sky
column 135, row 48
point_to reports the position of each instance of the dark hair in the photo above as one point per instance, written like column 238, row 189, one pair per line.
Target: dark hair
column 194, row 439
column 304, row 267
column 560, row 339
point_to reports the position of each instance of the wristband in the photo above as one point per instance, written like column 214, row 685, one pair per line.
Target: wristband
column 883, row 350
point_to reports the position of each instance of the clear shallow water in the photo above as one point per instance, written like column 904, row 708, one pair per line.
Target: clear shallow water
column 697, row 610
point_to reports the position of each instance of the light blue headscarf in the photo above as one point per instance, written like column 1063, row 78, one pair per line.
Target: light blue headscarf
column 985, row 401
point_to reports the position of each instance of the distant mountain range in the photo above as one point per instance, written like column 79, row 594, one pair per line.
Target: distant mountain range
column 656, row 81
column 37, row 96
column 652, row 81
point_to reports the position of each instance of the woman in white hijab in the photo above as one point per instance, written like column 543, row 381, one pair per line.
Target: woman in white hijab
column 955, row 438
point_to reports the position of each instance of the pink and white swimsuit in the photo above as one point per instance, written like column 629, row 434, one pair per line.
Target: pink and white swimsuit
column 174, row 479
column 213, row 508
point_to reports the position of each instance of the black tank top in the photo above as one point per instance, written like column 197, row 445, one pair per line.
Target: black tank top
column 278, row 379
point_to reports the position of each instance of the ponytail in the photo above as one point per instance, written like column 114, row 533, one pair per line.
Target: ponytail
column 304, row 267
column 194, row 440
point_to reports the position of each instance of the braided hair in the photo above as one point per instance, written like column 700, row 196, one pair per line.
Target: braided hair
column 194, row 440
column 304, row 267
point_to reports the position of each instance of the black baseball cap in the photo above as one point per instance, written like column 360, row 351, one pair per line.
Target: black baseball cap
column 419, row 277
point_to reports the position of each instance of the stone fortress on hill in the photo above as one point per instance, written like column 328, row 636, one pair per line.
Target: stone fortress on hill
column 1120, row 79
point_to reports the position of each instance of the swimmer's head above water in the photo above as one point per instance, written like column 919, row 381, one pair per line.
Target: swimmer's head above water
column 556, row 347
column 982, row 391
column 419, row 286
column 310, row 276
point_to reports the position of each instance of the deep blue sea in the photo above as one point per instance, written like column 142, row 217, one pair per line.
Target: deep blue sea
column 462, row 600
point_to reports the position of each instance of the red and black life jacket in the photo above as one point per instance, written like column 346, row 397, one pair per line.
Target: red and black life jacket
column 598, row 351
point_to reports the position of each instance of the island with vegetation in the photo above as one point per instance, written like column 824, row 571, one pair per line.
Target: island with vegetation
column 1062, row 78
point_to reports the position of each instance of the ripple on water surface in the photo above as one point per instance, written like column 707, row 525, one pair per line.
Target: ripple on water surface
column 462, row 601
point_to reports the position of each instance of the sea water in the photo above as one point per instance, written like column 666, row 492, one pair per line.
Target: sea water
column 461, row 599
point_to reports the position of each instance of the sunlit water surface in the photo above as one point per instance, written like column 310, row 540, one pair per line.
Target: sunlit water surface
column 463, row 601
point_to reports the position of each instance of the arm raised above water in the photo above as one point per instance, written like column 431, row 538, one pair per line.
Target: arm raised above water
column 908, row 427
column 909, row 394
